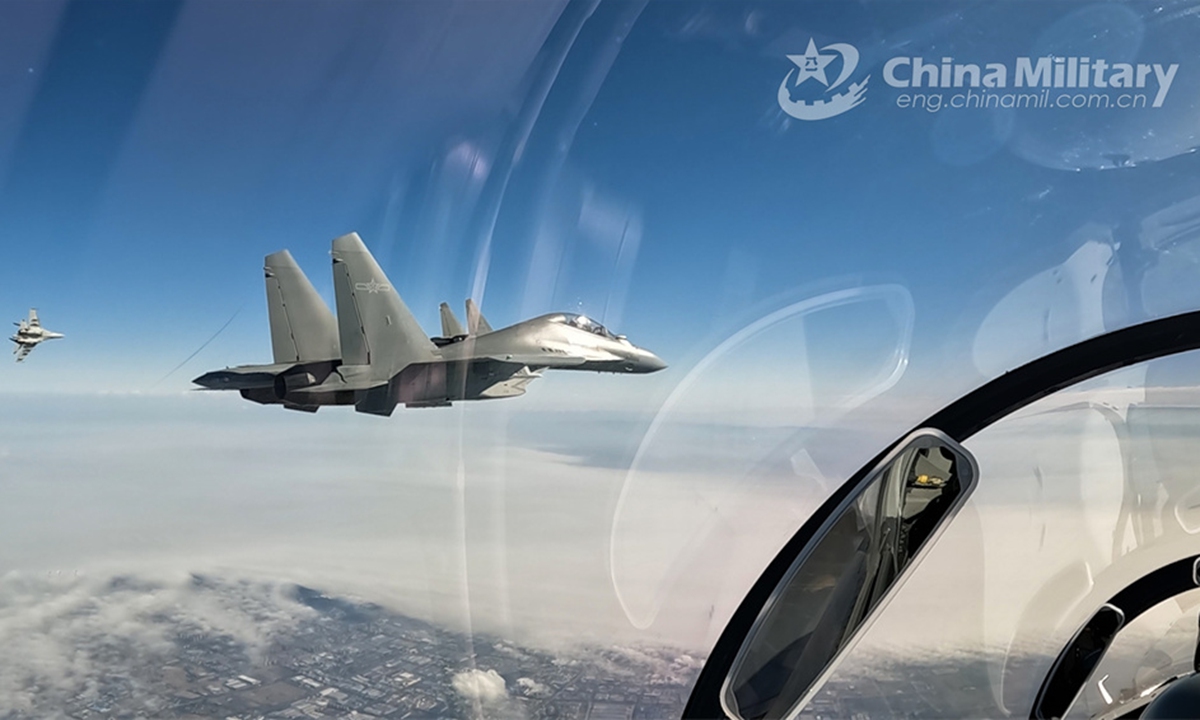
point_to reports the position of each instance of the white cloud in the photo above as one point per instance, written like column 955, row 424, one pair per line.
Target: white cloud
column 458, row 517
column 486, row 687
column 532, row 688
column 61, row 633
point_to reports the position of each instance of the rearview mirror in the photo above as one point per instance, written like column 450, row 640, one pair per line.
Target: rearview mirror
column 849, row 570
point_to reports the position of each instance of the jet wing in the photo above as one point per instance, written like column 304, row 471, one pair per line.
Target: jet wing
column 22, row 351
column 514, row 385
column 33, row 318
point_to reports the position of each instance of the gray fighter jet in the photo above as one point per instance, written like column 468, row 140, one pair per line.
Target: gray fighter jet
column 375, row 355
column 30, row 334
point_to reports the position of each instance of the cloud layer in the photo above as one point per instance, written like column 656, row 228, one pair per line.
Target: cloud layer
column 63, row 636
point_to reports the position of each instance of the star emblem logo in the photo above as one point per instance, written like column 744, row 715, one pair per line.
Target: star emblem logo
column 811, row 64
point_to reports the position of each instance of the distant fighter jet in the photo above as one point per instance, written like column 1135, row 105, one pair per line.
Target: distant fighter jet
column 30, row 334
column 375, row 355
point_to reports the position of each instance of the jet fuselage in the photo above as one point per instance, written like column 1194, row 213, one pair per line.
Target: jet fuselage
column 374, row 355
column 554, row 342
column 29, row 335
column 33, row 335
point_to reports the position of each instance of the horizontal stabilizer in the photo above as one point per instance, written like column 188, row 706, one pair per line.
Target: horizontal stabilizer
column 302, row 327
column 477, row 324
column 451, row 327
column 375, row 327
column 283, row 377
column 243, row 377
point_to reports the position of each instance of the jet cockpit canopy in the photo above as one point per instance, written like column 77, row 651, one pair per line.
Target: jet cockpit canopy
column 583, row 323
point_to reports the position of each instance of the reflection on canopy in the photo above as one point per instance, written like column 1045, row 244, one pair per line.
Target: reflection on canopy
column 697, row 513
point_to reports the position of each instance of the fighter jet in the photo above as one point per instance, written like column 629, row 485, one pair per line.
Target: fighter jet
column 374, row 354
column 30, row 334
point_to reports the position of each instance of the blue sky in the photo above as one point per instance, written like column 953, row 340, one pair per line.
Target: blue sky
column 153, row 153
column 629, row 161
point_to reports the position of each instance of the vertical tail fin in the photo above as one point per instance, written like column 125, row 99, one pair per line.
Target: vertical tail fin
column 476, row 323
column 302, row 327
column 451, row 327
column 374, row 325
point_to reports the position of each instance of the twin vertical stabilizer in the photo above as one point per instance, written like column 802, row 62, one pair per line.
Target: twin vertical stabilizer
column 374, row 355
column 302, row 327
column 451, row 327
column 375, row 328
column 477, row 324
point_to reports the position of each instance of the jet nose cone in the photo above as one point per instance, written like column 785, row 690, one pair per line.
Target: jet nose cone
column 649, row 362
column 211, row 380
